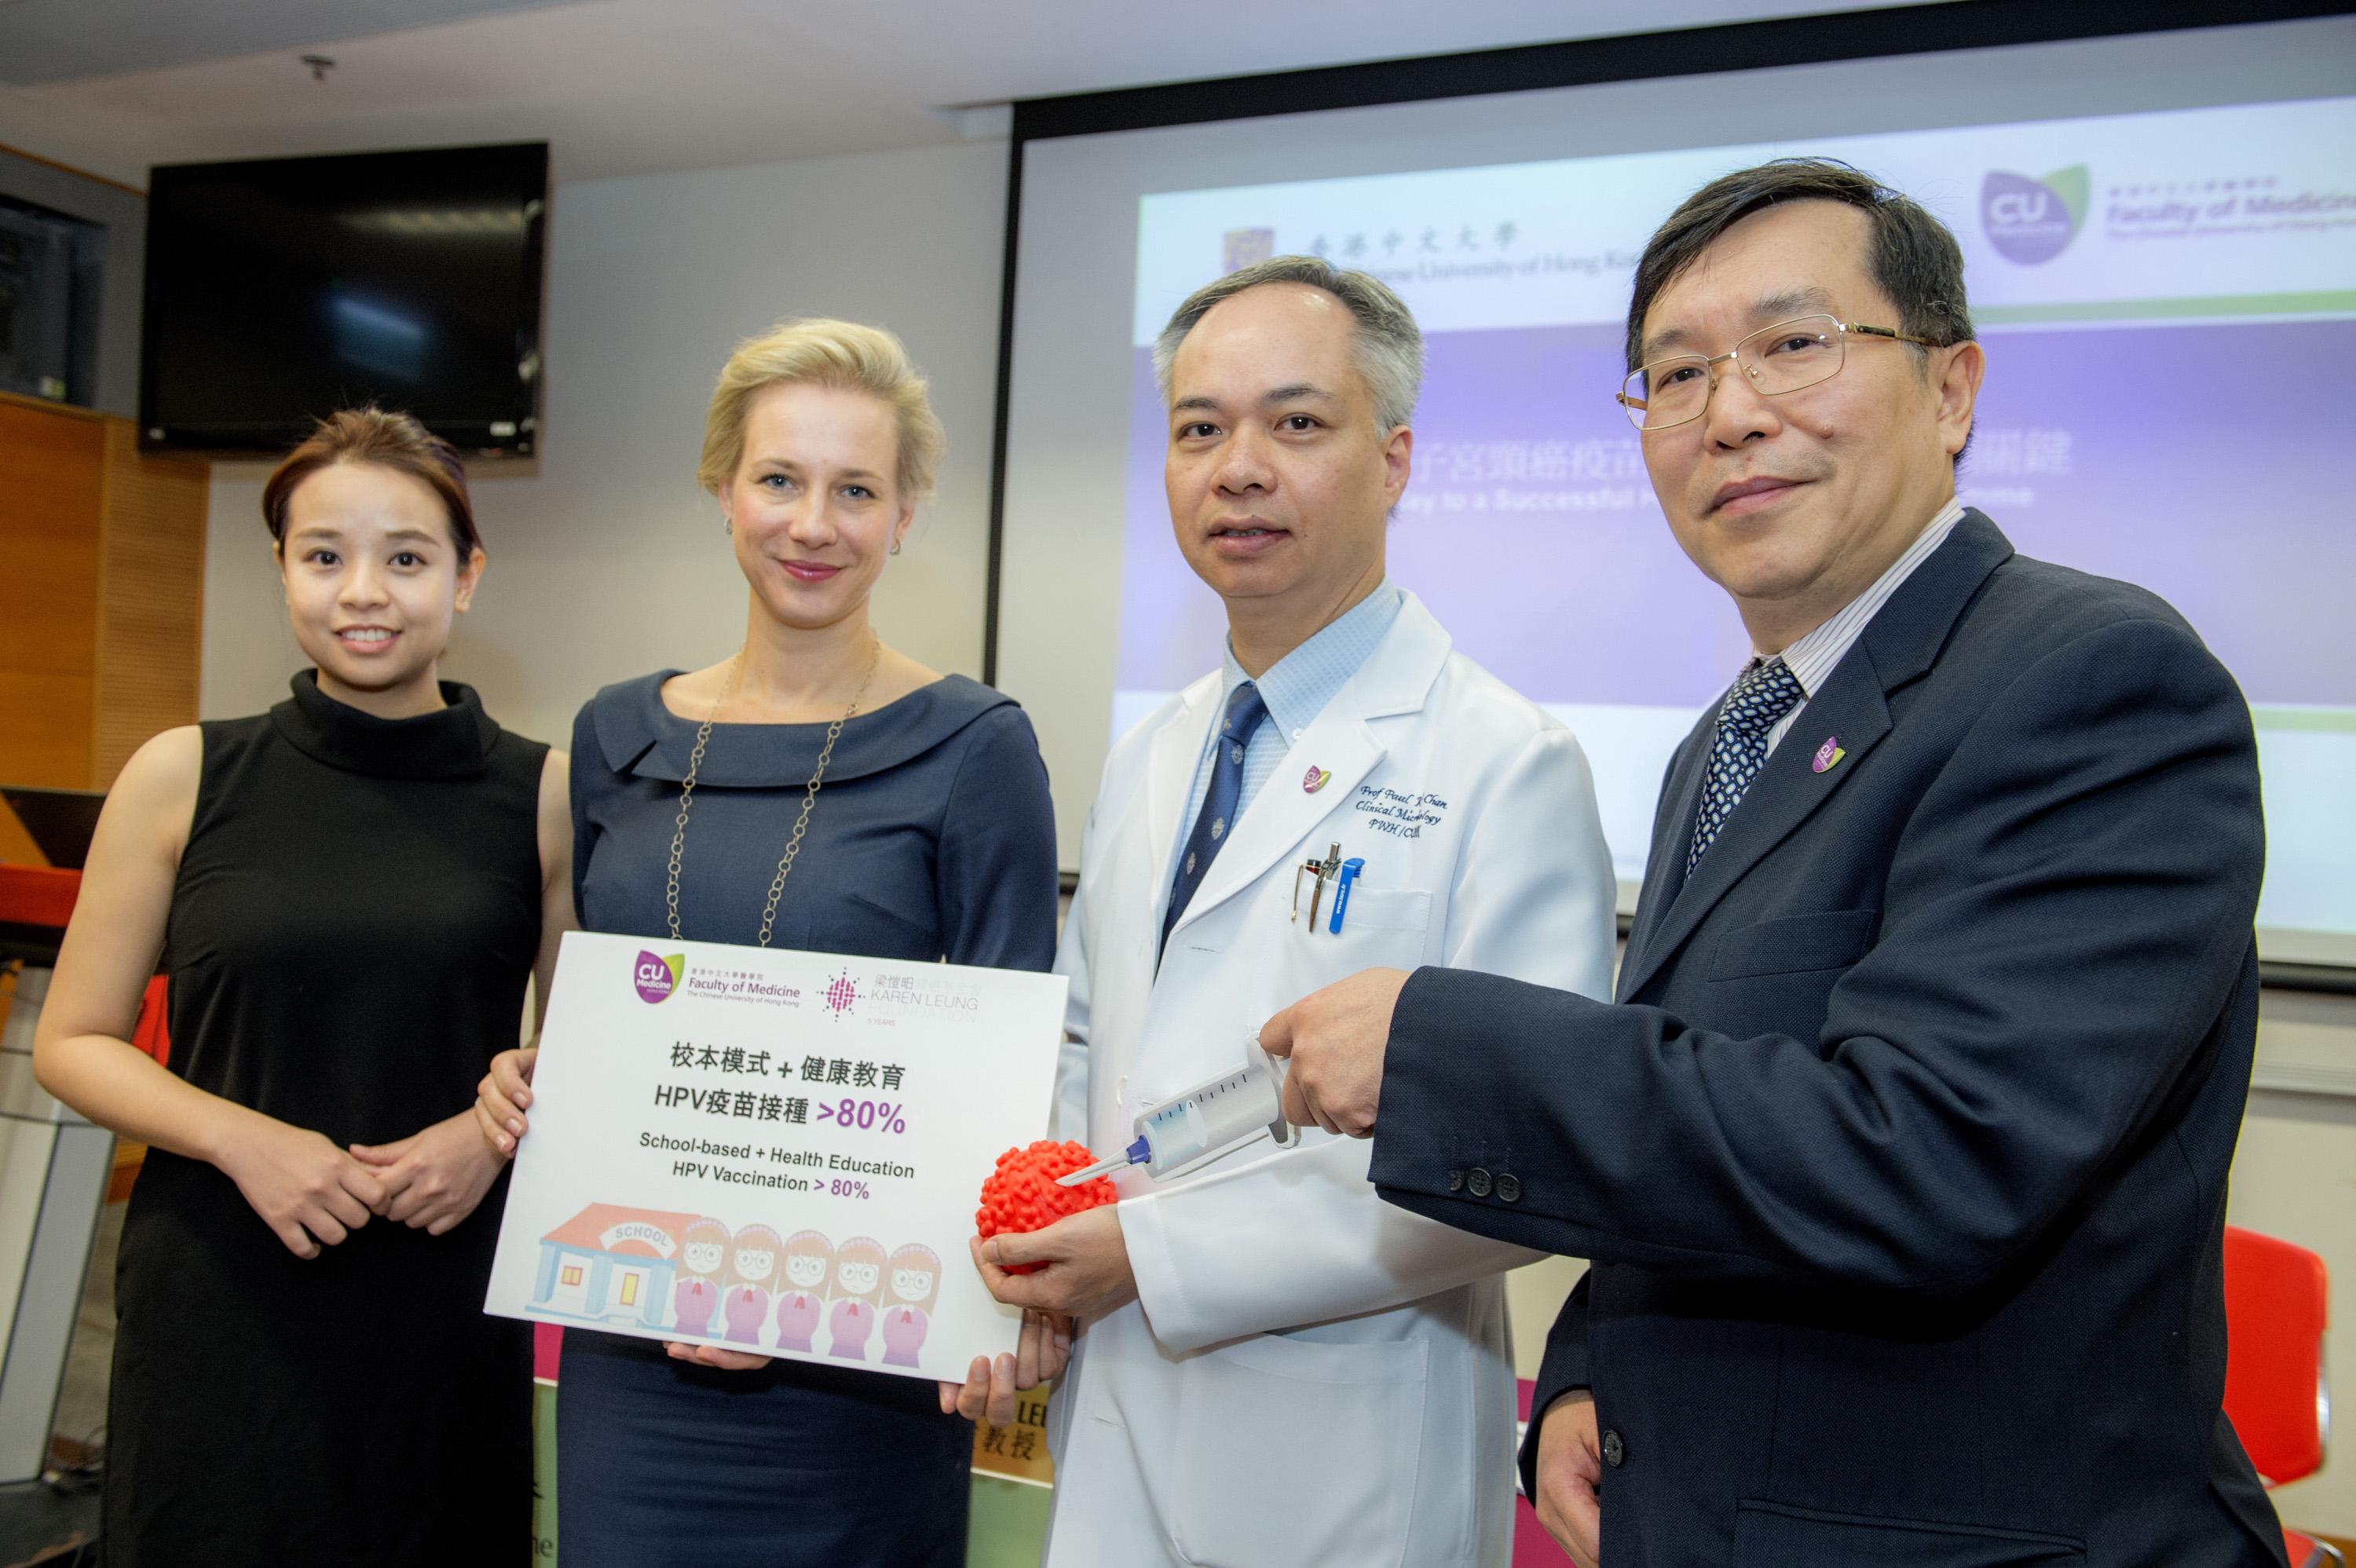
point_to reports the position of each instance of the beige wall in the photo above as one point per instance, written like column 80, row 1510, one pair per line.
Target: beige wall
column 609, row 562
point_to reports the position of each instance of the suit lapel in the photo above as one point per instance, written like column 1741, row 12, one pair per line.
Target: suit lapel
column 1787, row 789
column 1896, row 647
column 1664, row 869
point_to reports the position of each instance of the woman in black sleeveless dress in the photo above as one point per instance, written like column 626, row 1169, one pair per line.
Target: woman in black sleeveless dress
column 349, row 894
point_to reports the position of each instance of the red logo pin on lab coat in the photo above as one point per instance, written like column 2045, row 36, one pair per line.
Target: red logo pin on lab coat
column 1317, row 779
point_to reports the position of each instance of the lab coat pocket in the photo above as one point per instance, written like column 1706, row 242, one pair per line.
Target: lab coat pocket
column 1393, row 910
column 1379, row 927
column 1342, row 1425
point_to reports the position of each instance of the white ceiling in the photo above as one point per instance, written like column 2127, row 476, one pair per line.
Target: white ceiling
column 623, row 87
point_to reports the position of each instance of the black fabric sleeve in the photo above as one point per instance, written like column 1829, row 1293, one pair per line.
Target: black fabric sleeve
column 588, row 772
column 2068, row 908
column 1561, row 1370
column 996, row 866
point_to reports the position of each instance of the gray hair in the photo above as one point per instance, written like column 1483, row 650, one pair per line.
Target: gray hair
column 1387, row 346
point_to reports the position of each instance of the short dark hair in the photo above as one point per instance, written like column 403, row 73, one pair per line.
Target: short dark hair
column 387, row 440
column 1909, row 253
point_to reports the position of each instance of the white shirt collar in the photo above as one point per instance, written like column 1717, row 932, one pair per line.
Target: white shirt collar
column 1811, row 658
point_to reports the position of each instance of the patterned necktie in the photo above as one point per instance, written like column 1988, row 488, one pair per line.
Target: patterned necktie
column 1244, row 713
column 1760, row 697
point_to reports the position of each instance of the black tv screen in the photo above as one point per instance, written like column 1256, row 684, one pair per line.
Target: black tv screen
column 281, row 290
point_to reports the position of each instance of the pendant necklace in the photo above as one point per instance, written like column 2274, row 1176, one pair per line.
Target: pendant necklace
column 801, row 823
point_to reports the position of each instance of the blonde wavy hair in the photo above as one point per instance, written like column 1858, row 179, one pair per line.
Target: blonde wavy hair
column 820, row 352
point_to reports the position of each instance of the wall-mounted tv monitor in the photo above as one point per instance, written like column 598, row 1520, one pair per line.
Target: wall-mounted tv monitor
column 280, row 290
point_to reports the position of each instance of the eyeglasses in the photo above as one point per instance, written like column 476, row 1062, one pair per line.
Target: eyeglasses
column 1776, row 359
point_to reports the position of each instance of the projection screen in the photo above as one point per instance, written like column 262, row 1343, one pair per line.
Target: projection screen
column 2161, row 237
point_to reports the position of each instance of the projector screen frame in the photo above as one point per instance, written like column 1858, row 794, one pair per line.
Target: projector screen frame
column 1939, row 28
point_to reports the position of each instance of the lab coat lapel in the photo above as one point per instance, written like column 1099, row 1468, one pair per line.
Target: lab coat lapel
column 1170, row 779
column 1395, row 679
column 1284, row 812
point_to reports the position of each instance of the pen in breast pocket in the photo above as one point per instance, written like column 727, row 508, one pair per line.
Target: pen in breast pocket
column 1350, row 871
column 1325, row 869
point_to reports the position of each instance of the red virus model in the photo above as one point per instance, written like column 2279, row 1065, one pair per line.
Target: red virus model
column 1021, row 1195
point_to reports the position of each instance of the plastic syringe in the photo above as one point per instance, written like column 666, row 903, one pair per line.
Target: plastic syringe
column 1236, row 1106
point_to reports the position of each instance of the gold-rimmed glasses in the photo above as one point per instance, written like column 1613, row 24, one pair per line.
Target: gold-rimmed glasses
column 1775, row 359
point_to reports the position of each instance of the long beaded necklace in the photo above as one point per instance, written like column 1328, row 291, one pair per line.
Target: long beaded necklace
column 801, row 823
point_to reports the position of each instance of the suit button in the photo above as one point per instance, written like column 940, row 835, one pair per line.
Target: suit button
column 1478, row 1182
column 1614, row 1451
column 1509, row 1187
column 1455, row 1181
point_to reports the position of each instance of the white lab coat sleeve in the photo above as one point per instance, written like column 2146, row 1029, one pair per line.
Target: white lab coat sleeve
column 1534, row 895
column 1301, row 1237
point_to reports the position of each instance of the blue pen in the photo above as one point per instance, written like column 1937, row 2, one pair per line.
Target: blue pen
column 1350, row 870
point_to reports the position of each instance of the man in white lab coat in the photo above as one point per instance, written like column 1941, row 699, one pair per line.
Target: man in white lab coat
column 1266, row 1312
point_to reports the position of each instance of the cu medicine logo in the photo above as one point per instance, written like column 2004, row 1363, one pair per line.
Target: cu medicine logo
column 2029, row 222
column 658, row 977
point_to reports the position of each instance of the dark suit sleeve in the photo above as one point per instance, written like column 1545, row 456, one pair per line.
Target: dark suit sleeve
column 996, row 866
column 1561, row 1370
column 2066, row 911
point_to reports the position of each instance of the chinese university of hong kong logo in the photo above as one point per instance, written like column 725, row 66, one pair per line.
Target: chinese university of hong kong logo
column 658, row 977
column 1245, row 247
column 2030, row 220
column 840, row 994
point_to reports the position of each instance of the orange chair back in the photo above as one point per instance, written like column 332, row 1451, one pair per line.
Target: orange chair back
column 2275, row 1296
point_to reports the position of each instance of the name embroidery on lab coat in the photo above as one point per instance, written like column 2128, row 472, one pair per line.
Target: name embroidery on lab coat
column 1400, row 816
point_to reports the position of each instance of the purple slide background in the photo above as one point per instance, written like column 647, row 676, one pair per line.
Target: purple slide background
column 2197, row 460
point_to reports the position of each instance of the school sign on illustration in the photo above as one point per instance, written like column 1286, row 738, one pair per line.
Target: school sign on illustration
column 609, row 1264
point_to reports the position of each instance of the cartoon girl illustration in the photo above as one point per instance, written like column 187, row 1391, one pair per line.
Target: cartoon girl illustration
column 809, row 1258
column 702, row 1252
column 751, row 1269
column 914, row 1283
column 858, row 1293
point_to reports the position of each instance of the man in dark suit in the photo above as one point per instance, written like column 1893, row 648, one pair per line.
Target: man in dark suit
column 1901, row 1156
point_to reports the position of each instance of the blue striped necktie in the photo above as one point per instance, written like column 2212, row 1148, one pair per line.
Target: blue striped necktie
column 1760, row 697
column 1244, row 713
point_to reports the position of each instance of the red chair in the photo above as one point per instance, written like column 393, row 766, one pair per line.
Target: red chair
column 2276, row 1392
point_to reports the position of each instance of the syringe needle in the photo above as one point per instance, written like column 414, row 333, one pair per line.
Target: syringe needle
column 1137, row 1153
column 1101, row 1168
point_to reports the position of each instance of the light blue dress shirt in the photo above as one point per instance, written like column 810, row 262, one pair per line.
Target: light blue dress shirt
column 1296, row 690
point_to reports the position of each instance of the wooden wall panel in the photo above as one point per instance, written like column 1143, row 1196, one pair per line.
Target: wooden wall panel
column 51, row 486
column 151, row 599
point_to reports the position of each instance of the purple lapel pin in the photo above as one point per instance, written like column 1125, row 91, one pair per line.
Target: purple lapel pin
column 1828, row 754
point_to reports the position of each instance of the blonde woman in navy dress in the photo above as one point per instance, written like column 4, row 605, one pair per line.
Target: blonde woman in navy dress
column 844, row 799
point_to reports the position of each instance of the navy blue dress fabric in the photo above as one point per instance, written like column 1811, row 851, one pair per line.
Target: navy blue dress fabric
column 933, row 838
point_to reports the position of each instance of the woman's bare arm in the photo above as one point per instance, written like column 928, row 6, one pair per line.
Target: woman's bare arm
column 301, row 1185
column 506, row 1088
column 557, row 915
